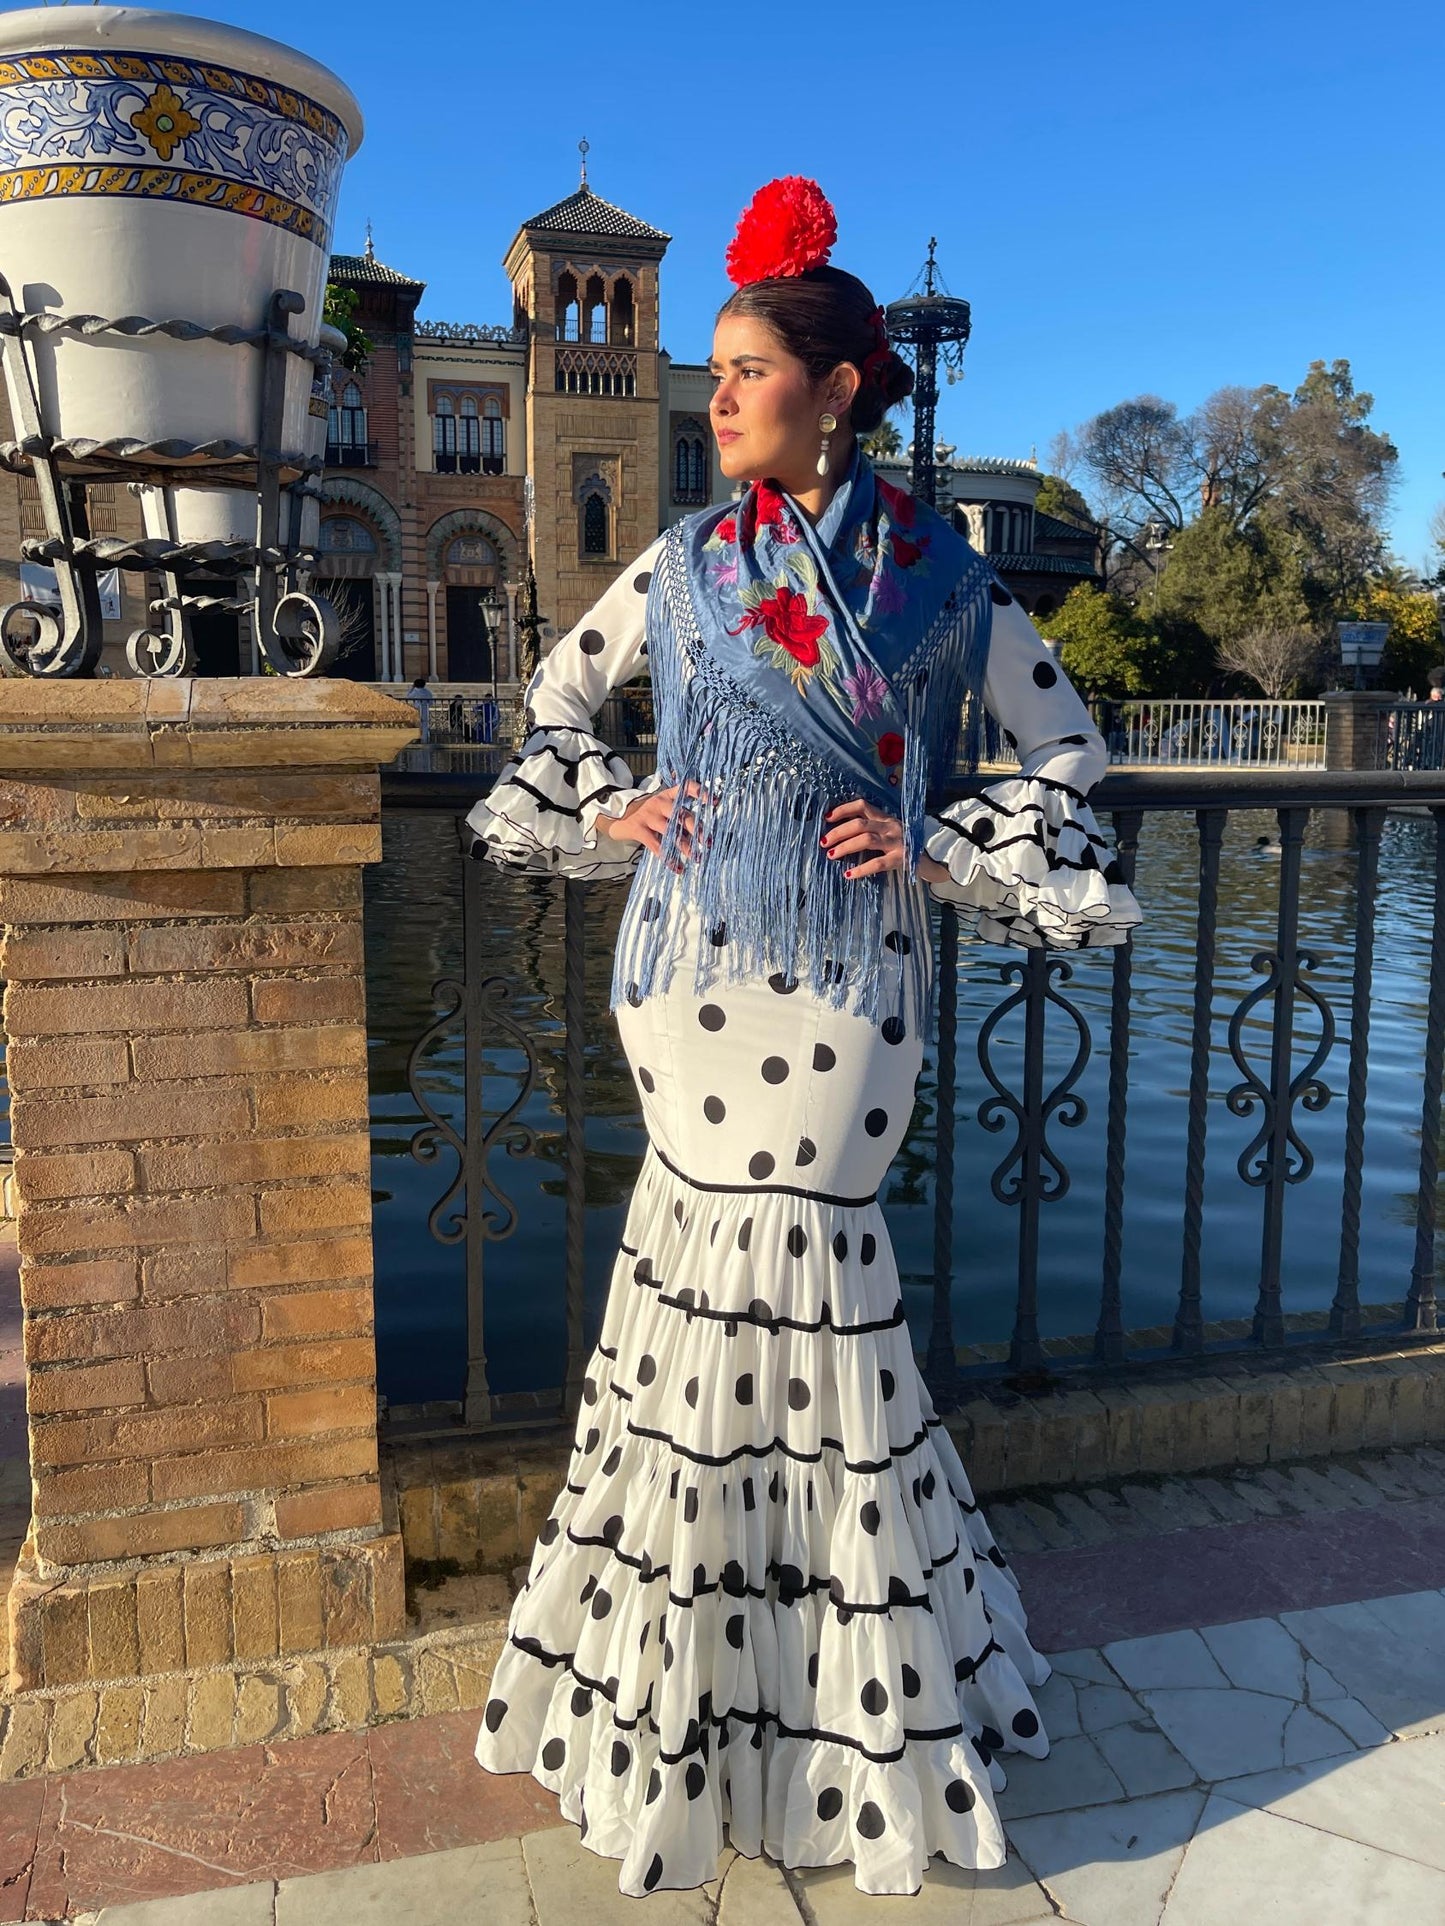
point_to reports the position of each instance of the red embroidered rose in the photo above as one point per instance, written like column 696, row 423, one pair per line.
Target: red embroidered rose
column 727, row 529
column 890, row 749
column 786, row 621
column 905, row 553
column 899, row 503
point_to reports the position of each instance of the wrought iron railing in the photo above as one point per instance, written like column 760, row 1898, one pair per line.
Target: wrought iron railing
column 1189, row 731
column 1412, row 736
column 1268, row 1085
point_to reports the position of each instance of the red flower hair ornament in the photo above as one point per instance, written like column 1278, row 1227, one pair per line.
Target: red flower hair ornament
column 786, row 228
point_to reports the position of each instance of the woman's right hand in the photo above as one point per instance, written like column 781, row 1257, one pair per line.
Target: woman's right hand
column 646, row 820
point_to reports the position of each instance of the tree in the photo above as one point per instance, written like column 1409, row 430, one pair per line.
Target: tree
column 1060, row 498
column 339, row 311
column 1226, row 581
column 1413, row 647
column 1107, row 650
column 1275, row 660
column 884, row 443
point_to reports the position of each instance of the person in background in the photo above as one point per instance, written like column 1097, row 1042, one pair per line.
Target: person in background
column 421, row 698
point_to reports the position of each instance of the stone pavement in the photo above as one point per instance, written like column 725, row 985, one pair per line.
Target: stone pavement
column 1247, row 1714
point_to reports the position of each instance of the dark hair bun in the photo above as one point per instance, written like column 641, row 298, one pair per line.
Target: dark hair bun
column 892, row 383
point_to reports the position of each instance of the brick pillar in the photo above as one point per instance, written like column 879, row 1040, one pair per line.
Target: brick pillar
column 180, row 909
column 1354, row 727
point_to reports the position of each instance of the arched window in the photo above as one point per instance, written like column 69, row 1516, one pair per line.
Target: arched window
column 345, row 535
column 594, row 309
column 346, row 429
column 494, row 437
column 689, row 469
column 594, row 525
column 469, row 437
column 623, row 330
column 444, row 435
column 569, row 314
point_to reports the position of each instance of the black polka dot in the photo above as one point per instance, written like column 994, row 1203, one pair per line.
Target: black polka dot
column 553, row 1753
column 830, row 1802
column 797, row 1241
column 711, row 1017
column 654, row 1785
column 548, row 1532
column 868, row 1249
column 894, row 1029
column 784, row 985
column 612, row 1530
column 612, row 1461
column 871, row 1822
column 634, row 995
column 750, row 1495
column 642, row 1270
column 998, row 593
column 640, row 582
column 699, row 1579
column 799, row 1396
column 646, row 1369
column 495, row 1713
column 689, row 1391
column 930, row 1484
column 813, row 1670
column 958, row 1795
column 651, row 909
column 823, row 1057
column 654, row 1872
column 735, row 1631
column 760, row 1311
column 1025, row 1723
column 592, row 642
column 760, row 1165
column 621, row 1758
column 900, row 944
column 718, row 935
column 775, row 1070
column 677, row 1210
column 589, row 1390
column 775, row 1488
column 840, row 1246
column 912, row 1684
column 714, row 1109
column 647, row 1080
column 745, row 1233
column 668, row 1655
column 992, row 1738
column 690, row 1505
column 591, row 1442
column 791, row 1583
column 982, row 829
column 876, row 1122
column 870, row 1518
column 601, row 1603
column 898, row 1592
column 581, row 1702
column 695, row 1779
column 874, row 1698
column 889, row 1383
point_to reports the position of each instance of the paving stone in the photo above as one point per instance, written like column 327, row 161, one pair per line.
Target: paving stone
column 1164, row 1659
column 1080, row 1516
column 755, row 1893
column 1252, row 1865
column 1110, row 1865
column 1355, row 1720
column 1144, row 1759
column 1386, row 1477
column 1186, row 1505
column 1153, row 1512
column 1014, row 1530
column 1222, row 1733
column 571, row 1884
column 1116, row 1514
column 1223, row 1500
column 1296, row 1500
column 1057, row 1535
column 1259, row 1654
column 1074, row 1774
column 1102, row 1706
column 1006, row 1895
column 467, row 1886
column 1389, row 1654
column 1260, row 1499
column 231, row 1906
column 1360, row 1491
column 1322, row 1492
column 1087, row 1663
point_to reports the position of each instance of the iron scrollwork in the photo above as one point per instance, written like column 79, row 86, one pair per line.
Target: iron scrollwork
column 1306, row 1088
column 1030, row 1147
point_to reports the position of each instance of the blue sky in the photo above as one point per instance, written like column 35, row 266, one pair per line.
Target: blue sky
column 1134, row 198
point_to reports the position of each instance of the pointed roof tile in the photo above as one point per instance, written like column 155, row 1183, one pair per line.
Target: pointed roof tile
column 584, row 212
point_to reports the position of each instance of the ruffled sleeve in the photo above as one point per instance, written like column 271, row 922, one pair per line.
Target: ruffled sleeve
column 1027, row 862
column 541, row 813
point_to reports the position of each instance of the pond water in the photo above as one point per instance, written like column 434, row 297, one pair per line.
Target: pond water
column 413, row 937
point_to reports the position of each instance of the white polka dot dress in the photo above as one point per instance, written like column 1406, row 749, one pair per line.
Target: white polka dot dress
column 765, row 1609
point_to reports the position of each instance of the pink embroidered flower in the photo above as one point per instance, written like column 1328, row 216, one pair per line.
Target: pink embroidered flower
column 868, row 691
column 889, row 594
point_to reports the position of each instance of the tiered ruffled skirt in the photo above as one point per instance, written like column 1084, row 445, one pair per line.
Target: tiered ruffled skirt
column 765, row 1604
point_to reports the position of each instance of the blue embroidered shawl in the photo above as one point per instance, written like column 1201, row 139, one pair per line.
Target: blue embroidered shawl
column 796, row 667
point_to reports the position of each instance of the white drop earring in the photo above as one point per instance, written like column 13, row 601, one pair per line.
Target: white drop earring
column 827, row 423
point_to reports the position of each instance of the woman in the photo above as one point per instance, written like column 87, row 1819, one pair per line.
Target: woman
column 765, row 1599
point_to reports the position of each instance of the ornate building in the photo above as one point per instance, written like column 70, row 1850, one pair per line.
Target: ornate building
column 567, row 432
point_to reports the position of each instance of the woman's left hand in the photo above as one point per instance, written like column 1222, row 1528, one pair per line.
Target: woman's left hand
column 859, row 830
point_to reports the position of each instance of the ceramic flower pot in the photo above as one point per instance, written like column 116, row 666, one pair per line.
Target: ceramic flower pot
column 157, row 165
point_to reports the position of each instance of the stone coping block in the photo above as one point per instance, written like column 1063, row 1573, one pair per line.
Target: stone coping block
column 477, row 1504
column 222, row 722
column 260, row 1605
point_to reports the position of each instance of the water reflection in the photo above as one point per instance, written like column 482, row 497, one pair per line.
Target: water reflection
column 413, row 936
